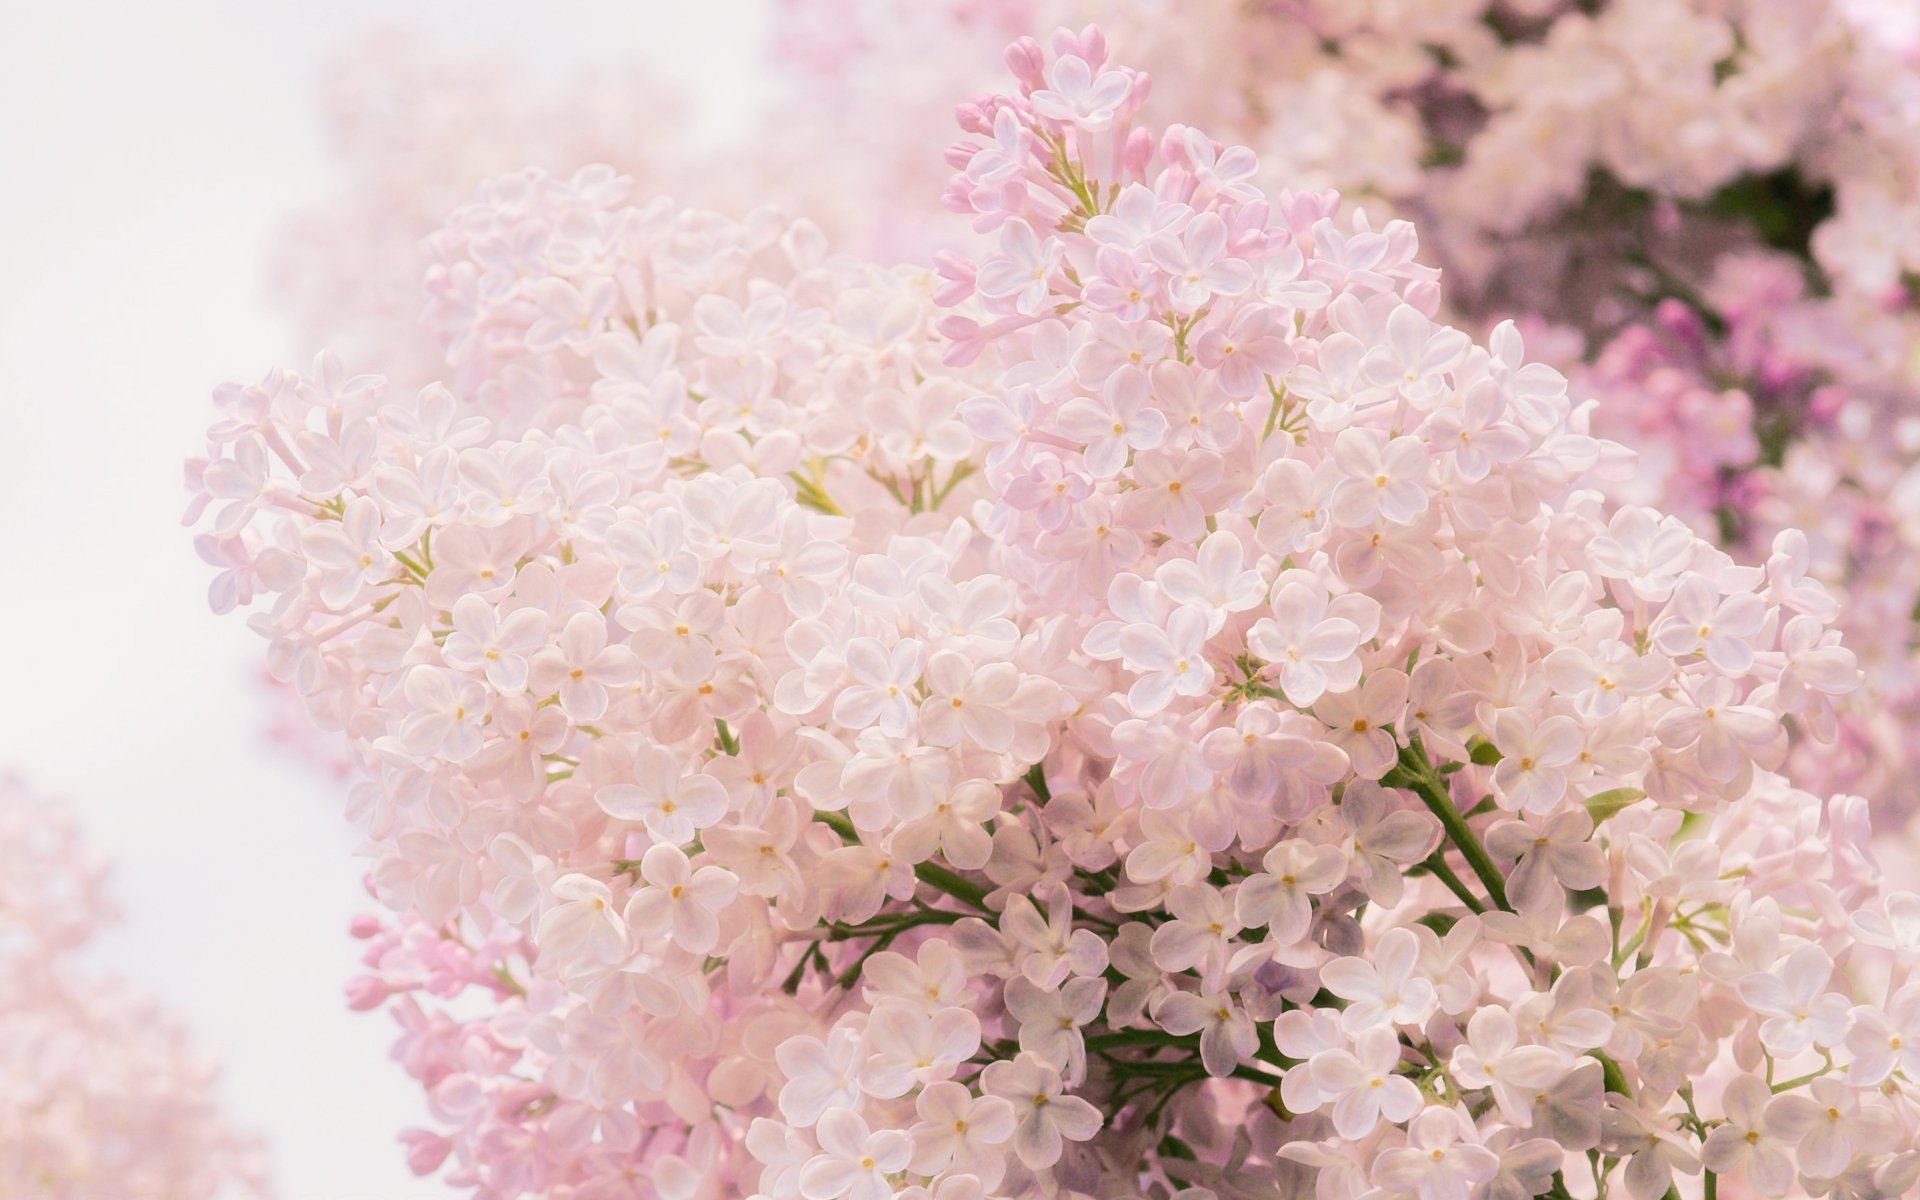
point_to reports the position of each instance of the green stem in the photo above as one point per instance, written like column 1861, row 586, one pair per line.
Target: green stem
column 934, row 876
column 1438, row 867
column 1415, row 773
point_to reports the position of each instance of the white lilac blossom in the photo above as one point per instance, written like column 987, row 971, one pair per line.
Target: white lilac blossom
column 1005, row 735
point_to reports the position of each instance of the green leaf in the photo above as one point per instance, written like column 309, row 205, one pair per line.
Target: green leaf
column 1605, row 804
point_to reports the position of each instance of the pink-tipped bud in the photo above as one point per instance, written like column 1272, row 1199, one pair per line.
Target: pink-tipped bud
column 426, row 1150
column 1028, row 63
column 364, row 926
column 367, row 992
column 971, row 115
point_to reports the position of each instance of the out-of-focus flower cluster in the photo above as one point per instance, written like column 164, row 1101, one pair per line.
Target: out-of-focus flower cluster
column 1141, row 707
column 101, row 1097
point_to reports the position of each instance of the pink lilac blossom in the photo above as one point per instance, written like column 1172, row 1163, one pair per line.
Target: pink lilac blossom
column 1700, row 210
column 101, row 1095
column 983, row 736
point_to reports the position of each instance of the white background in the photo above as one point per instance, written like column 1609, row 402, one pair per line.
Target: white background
column 149, row 154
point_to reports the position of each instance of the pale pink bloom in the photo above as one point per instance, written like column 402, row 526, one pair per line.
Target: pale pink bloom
column 1114, row 425
column 1303, row 1034
column 522, row 733
column 569, row 316
column 1492, row 1058
column 961, row 1132
column 854, row 1161
column 1644, row 550
column 971, row 613
column 1167, row 851
column 760, row 855
column 1549, row 853
column 524, row 878
column 422, row 497
column 335, row 463
column 1477, row 433
column 1534, row 757
column 1051, row 1020
column 1748, row 1140
column 1697, row 620
column 955, row 826
column 1213, row 581
column 1077, row 96
column 584, row 920
column 1020, row 274
column 1884, row 1040
column 1386, row 991
column 969, row 701
column 1362, row 1084
column 1047, row 947
column 1788, row 583
column 1546, row 933
column 1828, row 1127
column 1134, row 218
column 1194, row 419
column 820, row 1075
column 1723, row 733
column 1653, row 1148
column 1227, row 1033
column 482, row 641
column 882, row 691
column 857, row 880
column 1045, row 1118
column 1248, row 351
column 241, row 481
column 448, row 713
column 1801, row 1011
column 673, row 804
column 1314, row 652
column 1266, row 755
column 1381, row 841
column 679, row 901
column 802, row 568
column 1279, row 897
column 1896, row 927
column 925, row 425
column 653, row 555
column 581, row 666
column 1199, row 264
column 1378, row 479
column 1599, row 682
column 1813, row 661
column 1354, row 721
column 348, row 553
column 1414, row 356
column 504, row 482
column 909, row 1047
column 1200, row 934
column 1442, row 1159
column 1332, row 384
column 1169, row 662
column 1169, row 493
column 677, row 639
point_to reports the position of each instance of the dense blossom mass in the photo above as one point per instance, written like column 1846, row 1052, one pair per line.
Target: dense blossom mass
column 1702, row 211
column 1141, row 707
column 101, row 1097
